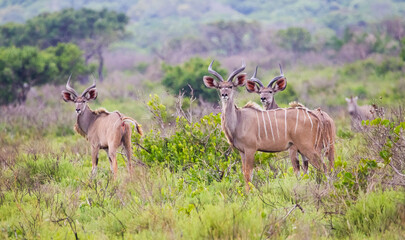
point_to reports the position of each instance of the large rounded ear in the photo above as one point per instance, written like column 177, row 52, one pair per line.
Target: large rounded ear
column 91, row 94
column 68, row 96
column 348, row 100
column 252, row 86
column 240, row 80
column 210, row 82
column 280, row 84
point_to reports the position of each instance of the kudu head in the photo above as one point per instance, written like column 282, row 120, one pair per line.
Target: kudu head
column 225, row 87
column 351, row 105
column 80, row 101
column 278, row 84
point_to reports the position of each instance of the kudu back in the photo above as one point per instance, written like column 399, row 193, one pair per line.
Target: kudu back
column 103, row 129
column 278, row 84
column 250, row 129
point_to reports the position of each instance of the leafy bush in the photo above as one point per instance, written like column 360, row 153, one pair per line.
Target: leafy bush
column 386, row 140
column 191, row 73
column 198, row 147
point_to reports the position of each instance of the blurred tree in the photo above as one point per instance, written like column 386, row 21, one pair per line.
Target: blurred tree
column 92, row 30
column 402, row 53
column 177, row 78
column 232, row 37
column 337, row 43
column 11, row 34
column 23, row 68
column 294, row 38
column 68, row 59
column 394, row 27
column 180, row 49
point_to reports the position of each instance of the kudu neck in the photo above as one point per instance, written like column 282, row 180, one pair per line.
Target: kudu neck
column 356, row 111
column 229, row 116
column 86, row 119
column 271, row 106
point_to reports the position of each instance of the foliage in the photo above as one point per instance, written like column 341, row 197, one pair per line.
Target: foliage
column 387, row 140
column 188, row 148
column 92, row 30
column 295, row 39
column 68, row 25
column 402, row 53
column 232, row 37
column 190, row 73
column 23, row 68
column 373, row 213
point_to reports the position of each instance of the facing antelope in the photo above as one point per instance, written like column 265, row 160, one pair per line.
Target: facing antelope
column 277, row 84
column 104, row 130
column 250, row 129
column 359, row 113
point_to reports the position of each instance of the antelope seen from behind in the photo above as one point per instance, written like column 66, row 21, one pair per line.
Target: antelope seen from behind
column 251, row 129
column 278, row 84
column 104, row 130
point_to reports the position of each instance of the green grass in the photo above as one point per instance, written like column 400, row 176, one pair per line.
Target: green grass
column 44, row 192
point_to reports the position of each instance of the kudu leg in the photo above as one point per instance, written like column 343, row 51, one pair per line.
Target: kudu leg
column 242, row 157
column 128, row 151
column 294, row 159
column 331, row 157
column 94, row 159
column 248, row 168
column 314, row 157
column 112, row 156
column 304, row 164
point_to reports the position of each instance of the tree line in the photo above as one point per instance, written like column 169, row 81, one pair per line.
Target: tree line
column 74, row 41
column 50, row 47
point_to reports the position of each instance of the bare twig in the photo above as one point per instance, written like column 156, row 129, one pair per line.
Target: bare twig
column 291, row 210
column 397, row 171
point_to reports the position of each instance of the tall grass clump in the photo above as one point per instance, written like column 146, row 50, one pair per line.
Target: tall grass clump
column 373, row 213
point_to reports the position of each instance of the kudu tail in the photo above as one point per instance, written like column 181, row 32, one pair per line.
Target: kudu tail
column 328, row 135
column 135, row 123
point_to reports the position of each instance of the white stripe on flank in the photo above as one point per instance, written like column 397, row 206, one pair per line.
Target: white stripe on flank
column 264, row 124
column 275, row 119
column 271, row 126
column 296, row 121
column 309, row 119
column 316, row 136
column 285, row 122
column 258, row 125
column 305, row 118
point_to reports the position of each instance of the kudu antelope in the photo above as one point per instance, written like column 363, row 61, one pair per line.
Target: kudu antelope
column 251, row 129
column 358, row 113
column 277, row 84
column 104, row 130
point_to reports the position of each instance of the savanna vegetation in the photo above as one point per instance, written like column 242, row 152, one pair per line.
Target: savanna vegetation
column 187, row 181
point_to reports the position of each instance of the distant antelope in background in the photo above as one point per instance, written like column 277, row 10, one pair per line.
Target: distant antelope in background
column 358, row 113
column 104, row 130
column 250, row 129
column 278, row 84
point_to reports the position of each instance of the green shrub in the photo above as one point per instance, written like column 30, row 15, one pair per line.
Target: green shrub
column 191, row 73
column 200, row 148
column 372, row 213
